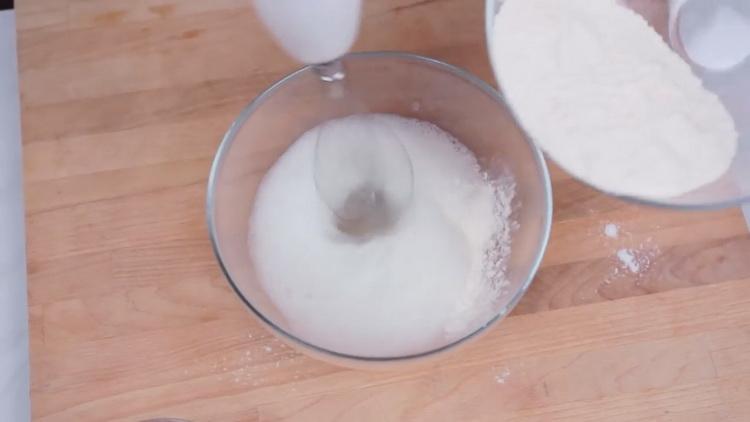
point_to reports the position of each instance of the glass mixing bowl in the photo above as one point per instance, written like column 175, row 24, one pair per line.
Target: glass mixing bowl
column 398, row 83
column 670, row 18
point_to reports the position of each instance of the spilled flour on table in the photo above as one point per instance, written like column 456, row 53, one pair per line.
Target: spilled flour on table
column 636, row 260
column 630, row 259
column 502, row 376
column 256, row 364
column 612, row 230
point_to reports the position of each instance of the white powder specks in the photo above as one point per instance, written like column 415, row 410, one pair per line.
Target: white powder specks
column 256, row 363
column 502, row 376
column 611, row 230
column 628, row 260
column 632, row 258
column 638, row 259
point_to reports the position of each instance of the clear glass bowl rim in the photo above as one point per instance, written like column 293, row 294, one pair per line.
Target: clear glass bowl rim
column 257, row 102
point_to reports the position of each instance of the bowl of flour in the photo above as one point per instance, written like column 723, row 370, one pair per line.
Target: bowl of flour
column 615, row 92
column 460, row 251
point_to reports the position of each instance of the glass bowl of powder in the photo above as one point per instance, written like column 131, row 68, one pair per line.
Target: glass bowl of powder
column 644, row 100
column 462, row 250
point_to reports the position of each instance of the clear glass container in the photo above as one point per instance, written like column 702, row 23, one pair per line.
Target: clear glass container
column 397, row 83
column 673, row 19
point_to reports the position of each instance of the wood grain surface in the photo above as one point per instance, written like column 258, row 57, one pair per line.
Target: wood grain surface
column 124, row 104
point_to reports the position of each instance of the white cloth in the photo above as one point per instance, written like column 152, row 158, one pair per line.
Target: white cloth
column 14, row 332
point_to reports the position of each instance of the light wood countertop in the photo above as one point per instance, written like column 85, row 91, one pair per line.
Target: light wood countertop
column 123, row 106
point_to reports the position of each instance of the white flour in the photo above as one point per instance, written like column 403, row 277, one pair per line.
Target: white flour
column 607, row 99
column 431, row 279
column 628, row 260
column 611, row 230
column 633, row 258
column 502, row 376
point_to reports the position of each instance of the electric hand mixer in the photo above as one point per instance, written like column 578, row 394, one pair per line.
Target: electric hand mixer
column 364, row 176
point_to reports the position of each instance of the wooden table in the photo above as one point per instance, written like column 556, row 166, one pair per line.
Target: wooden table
column 124, row 104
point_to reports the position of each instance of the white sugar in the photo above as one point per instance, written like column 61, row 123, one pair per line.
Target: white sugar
column 433, row 278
